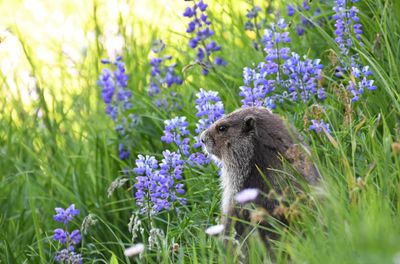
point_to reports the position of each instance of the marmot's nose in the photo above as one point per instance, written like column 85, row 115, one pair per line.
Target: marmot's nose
column 203, row 137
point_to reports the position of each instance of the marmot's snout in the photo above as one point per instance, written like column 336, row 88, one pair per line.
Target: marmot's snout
column 208, row 142
column 203, row 137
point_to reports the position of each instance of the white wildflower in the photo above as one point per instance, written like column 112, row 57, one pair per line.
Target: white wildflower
column 215, row 230
column 246, row 195
column 134, row 250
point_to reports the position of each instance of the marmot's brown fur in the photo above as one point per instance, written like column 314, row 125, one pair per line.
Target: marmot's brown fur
column 250, row 140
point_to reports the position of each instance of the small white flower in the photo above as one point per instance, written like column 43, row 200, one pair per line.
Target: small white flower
column 215, row 230
column 134, row 250
column 246, row 195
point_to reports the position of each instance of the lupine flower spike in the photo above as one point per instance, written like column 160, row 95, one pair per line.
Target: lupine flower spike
column 283, row 76
column 157, row 186
column 200, row 28
column 347, row 26
column 117, row 98
column 68, row 240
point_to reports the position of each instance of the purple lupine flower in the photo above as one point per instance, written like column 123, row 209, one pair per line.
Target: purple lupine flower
column 361, row 82
column 209, row 109
column 283, row 75
column 60, row 235
column 290, row 10
column 345, row 18
column 75, row 237
column 145, row 165
column 171, row 167
column 304, row 20
column 220, row 61
column 200, row 28
column 185, row 147
column 114, row 90
column 198, row 158
column 339, row 71
column 303, row 77
column 253, row 12
column 189, row 12
column 175, row 129
column 272, row 38
column 117, row 98
column 305, row 5
column 172, row 161
column 123, row 151
column 146, row 170
column 202, row 6
column 299, row 30
column 65, row 215
column 256, row 96
column 348, row 23
column 108, row 86
column 353, row 15
column 156, row 188
column 67, row 255
column 317, row 12
column 319, row 126
column 212, row 46
column 270, row 102
column 260, row 82
column 162, row 75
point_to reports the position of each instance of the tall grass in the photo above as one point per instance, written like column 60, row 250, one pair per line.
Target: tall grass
column 61, row 148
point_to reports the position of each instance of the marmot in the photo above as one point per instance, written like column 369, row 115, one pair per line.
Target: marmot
column 250, row 140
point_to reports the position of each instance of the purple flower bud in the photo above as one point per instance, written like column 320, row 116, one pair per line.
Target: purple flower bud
column 123, row 152
column 191, row 27
column 220, row 61
column 299, row 30
column 60, row 235
column 75, row 237
column 193, row 42
column 290, row 10
column 188, row 12
column 305, row 5
column 319, row 126
column 65, row 215
column 202, row 6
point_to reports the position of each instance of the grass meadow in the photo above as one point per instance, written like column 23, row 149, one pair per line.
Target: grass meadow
column 59, row 147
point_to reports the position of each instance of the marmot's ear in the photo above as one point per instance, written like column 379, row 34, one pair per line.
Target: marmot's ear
column 249, row 123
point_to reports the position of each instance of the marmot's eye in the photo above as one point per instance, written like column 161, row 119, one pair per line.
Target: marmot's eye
column 222, row 128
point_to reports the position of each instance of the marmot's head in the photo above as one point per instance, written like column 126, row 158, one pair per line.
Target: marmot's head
column 232, row 138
